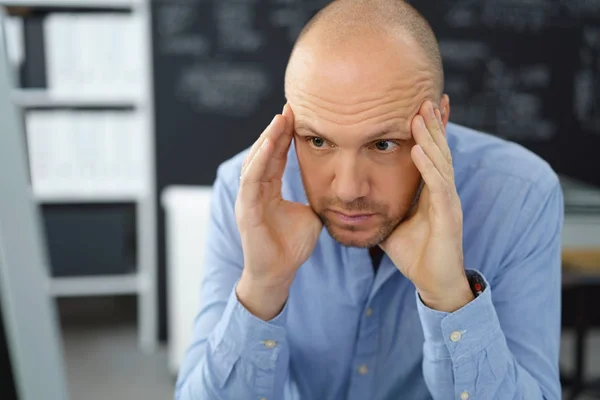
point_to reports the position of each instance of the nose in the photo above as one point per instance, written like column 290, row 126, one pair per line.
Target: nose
column 350, row 181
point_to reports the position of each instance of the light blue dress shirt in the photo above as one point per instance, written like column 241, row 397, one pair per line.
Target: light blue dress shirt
column 347, row 333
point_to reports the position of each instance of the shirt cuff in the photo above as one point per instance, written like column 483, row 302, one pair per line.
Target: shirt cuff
column 461, row 333
column 241, row 335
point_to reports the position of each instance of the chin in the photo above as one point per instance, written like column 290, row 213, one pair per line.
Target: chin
column 354, row 238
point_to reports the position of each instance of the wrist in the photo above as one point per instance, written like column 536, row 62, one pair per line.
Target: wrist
column 262, row 299
column 450, row 300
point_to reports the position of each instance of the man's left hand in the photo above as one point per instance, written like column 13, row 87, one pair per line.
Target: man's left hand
column 427, row 246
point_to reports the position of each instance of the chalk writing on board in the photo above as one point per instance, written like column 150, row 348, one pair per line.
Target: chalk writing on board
column 222, row 89
column 464, row 13
column 458, row 86
column 174, row 18
column 194, row 45
column 518, row 15
column 582, row 8
column 235, row 26
column 463, row 53
column 173, row 31
column 287, row 2
column 506, row 101
column 291, row 18
column 587, row 82
column 519, row 114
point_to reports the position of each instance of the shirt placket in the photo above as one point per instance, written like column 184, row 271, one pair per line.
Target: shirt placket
column 362, row 376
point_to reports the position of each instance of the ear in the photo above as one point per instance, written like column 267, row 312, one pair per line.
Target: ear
column 445, row 109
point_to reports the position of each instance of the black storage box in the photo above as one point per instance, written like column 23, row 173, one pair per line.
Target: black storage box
column 90, row 239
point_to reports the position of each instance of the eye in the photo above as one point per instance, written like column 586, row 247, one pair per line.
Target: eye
column 385, row 145
column 317, row 142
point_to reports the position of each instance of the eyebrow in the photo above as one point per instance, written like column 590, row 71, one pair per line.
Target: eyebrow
column 392, row 129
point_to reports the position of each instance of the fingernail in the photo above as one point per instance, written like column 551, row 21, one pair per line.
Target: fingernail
column 283, row 110
column 273, row 120
column 422, row 122
column 419, row 149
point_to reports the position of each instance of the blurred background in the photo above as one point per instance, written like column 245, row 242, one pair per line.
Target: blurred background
column 121, row 111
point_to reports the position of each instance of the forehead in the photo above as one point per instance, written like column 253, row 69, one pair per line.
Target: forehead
column 364, row 86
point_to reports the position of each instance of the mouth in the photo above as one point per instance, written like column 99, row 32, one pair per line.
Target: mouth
column 351, row 218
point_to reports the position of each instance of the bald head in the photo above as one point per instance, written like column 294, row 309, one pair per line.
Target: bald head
column 358, row 76
column 343, row 22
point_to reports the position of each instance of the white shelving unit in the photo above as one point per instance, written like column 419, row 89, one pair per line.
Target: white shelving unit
column 143, row 282
column 40, row 98
column 95, row 285
column 55, row 197
column 75, row 3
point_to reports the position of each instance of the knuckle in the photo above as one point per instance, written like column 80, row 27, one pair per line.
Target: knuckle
column 448, row 171
column 446, row 193
column 457, row 221
column 429, row 167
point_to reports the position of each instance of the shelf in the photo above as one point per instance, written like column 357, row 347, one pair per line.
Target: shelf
column 72, row 3
column 41, row 98
column 580, row 197
column 94, row 285
column 48, row 197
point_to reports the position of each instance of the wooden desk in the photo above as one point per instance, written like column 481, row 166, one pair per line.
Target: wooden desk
column 581, row 267
column 581, row 289
column 582, row 260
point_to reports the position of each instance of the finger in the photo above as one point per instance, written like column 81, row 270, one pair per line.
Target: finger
column 436, row 128
column 424, row 139
column 436, row 195
column 444, row 146
column 256, row 145
column 271, row 131
column 251, row 180
column 434, row 181
column 254, row 148
column 281, row 145
column 438, row 114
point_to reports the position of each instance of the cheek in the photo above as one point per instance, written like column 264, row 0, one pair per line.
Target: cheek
column 397, row 184
column 314, row 173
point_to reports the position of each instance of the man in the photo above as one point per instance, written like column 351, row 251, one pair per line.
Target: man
column 438, row 273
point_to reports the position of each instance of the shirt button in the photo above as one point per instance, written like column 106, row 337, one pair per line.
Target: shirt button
column 368, row 312
column 363, row 369
column 269, row 344
column 464, row 395
column 455, row 337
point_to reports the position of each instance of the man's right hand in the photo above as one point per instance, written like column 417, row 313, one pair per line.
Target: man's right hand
column 277, row 235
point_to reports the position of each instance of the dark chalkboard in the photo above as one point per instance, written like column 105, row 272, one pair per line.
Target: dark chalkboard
column 219, row 68
column 218, row 79
column 526, row 70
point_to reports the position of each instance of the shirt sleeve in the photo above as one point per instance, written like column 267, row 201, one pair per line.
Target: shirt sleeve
column 233, row 354
column 505, row 343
